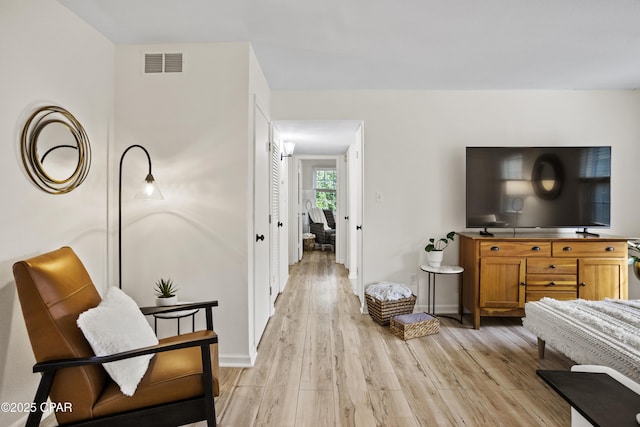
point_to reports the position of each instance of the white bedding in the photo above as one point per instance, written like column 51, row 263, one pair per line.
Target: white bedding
column 590, row 332
column 388, row 291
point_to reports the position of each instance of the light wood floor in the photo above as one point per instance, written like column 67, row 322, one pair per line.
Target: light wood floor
column 322, row 363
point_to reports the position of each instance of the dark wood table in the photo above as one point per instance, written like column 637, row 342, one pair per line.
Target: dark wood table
column 599, row 398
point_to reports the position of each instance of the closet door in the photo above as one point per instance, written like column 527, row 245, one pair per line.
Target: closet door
column 276, row 224
column 262, row 237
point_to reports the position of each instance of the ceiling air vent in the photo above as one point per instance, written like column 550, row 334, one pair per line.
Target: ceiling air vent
column 162, row 63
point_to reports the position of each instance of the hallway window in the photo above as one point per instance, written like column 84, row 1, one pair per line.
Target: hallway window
column 324, row 182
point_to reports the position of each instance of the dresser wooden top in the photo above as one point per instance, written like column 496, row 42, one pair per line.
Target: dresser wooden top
column 535, row 235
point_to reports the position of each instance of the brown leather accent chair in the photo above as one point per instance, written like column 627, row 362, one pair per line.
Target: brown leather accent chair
column 178, row 387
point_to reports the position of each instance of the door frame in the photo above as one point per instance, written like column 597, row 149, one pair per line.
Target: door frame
column 352, row 252
column 340, row 210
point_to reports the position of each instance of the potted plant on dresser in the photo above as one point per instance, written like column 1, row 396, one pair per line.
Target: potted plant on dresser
column 166, row 292
column 435, row 248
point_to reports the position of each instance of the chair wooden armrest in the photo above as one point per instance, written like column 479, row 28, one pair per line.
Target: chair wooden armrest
column 53, row 365
column 147, row 311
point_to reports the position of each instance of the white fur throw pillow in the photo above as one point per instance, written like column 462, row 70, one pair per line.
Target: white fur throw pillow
column 118, row 325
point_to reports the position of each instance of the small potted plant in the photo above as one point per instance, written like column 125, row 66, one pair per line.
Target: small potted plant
column 166, row 292
column 435, row 248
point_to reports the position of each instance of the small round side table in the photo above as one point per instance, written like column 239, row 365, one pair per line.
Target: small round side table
column 177, row 315
column 432, row 272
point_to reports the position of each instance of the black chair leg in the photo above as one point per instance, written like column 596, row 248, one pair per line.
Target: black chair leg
column 40, row 399
column 207, row 375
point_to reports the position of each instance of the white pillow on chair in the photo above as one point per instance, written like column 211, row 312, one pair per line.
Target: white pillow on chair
column 118, row 325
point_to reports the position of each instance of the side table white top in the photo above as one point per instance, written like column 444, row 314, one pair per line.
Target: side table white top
column 177, row 314
column 443, row 269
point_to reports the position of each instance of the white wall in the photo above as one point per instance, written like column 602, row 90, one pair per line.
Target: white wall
column 414, row 146
column 198, row 128
column 49, row 56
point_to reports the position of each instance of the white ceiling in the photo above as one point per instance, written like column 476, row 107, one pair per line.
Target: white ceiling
column 400, row 44
column 318, row 137
column 396, row 44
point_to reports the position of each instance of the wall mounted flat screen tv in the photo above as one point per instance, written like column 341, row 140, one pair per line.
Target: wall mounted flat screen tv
column 531, row 187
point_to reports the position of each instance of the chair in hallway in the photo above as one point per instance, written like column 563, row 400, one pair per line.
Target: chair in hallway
column 322, row 223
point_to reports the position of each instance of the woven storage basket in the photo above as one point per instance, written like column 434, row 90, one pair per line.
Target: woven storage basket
column 382, row 311
column 414, row 325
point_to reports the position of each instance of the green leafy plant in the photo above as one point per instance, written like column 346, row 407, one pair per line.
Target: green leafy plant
column 165, row 288
column 440, row 244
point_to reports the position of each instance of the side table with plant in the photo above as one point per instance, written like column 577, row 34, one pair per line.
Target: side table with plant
column 166, row 292
column 435, row 248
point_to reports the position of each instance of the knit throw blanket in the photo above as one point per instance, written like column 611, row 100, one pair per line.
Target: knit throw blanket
column 590, row 332
column 317, row 215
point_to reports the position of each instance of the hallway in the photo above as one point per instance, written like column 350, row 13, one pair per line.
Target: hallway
column 322, row 363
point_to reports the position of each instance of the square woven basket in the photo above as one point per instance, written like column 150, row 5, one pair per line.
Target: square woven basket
column 382, row 311
column 414, row 325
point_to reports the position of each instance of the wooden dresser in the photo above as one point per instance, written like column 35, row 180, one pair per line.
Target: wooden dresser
column 504, row 271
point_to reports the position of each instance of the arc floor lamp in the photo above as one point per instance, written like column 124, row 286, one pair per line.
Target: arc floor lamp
column 150, row 190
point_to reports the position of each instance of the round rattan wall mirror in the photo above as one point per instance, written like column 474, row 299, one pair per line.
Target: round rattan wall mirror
column 55, row 150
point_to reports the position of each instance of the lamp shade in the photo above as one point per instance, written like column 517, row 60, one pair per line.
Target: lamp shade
column 518, row 188
column 149, row 190
column 288, row 148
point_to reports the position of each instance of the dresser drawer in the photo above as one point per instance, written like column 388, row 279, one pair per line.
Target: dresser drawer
column 517, row 249
column 552, row 266
column 590, row 249
column 557, row 282
column 562, row 296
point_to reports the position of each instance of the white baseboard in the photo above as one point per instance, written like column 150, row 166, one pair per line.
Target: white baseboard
column 440, row 308
column 237, row 360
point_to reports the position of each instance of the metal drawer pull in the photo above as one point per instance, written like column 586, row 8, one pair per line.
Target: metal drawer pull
column 552, row 266
column 523, row 284
column 583, row 284
column 495, row 248
column 551, row 284
column 610, row 249
column 567, row 249
column 535, row 248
